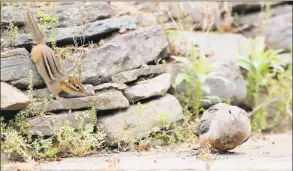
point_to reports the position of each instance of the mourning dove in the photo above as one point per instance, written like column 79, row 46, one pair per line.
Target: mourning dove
column 224, row 126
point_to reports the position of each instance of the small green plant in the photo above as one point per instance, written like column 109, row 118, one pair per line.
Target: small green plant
column 49, row 21
column 13, row 30
column 198, row 71
column 261, row 66
column 44, row 148
column 14, row 143
column 82, row 141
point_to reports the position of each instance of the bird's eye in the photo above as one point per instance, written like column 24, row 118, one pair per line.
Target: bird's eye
column 230, row 111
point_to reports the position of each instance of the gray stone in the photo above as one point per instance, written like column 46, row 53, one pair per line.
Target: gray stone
column 13, row 14
column 126, row 52
column 234, row 88
column 44, row 124
column 103, row 101
column 154, row 87
column 132, row 75
column 94, row 29
column 44, row 92
column 12, row 98
column 142, row 118
column 68, row 14
column 15, row 67
column 106, row 86
column 226, row 45
column 79, row 12
column 279, row 27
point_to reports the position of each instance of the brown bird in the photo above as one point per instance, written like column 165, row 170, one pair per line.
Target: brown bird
column 224, row 126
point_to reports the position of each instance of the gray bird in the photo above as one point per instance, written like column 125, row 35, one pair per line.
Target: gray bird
column 224, row 126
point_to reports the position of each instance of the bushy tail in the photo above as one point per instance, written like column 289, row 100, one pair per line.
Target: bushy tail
column 36, row 32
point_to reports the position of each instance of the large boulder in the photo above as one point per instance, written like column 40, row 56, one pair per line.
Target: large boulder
column 278, row 27
column 12, row 98
column 68, row 14
column 125, row 52
column 157, row 86
column 141, row 118
column 15, row 67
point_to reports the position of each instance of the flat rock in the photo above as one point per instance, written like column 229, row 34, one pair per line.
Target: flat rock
column 12, row 98
column 44, row 124
column 103, row 101
column 44, row 92
column 132, row 75
column 68, row 14
column 224, row 45
column 15, row 67
column 125, row 52
column 279, row 27
column 95, row 29
column 157, row 86
column 118, row 86
column 142, row 118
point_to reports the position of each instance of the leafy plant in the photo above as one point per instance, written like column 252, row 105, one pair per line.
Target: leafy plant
column 44, row 148
column 14, row 143
column 82, row 141
column 261, row 65
column 13, row 30
column 197, row 72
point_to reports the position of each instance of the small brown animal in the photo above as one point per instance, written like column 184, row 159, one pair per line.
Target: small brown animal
column 45, row 61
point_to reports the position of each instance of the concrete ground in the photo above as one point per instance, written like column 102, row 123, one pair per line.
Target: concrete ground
column 274, row 152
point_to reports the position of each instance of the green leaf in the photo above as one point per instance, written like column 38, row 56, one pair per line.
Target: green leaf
column 213, row 97
column 247, row 65
column 206, row 100
column 182, row 59
column 89, row 128
column 180, row 78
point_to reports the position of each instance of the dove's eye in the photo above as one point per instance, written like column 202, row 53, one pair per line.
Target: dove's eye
column 230, row 111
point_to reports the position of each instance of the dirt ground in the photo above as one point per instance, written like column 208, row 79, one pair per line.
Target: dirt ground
column 268, row 152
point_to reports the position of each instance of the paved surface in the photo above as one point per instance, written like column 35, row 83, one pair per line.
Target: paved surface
column 272, row 153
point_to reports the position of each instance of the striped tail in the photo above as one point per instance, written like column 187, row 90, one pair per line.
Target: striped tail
column 36, row 32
